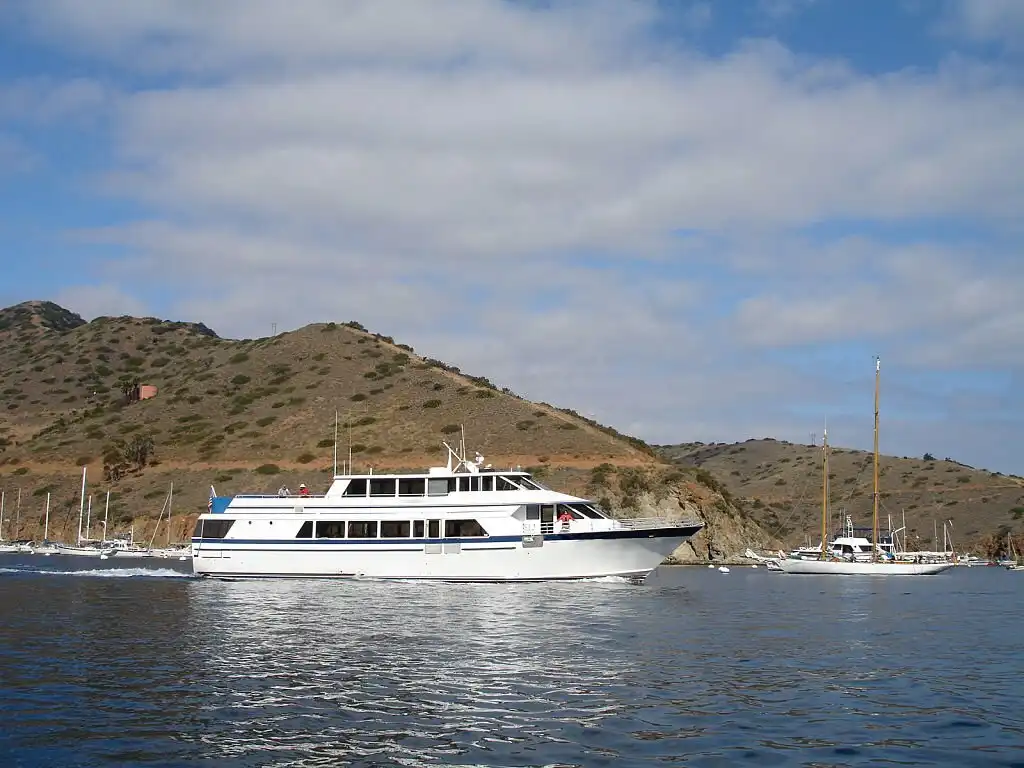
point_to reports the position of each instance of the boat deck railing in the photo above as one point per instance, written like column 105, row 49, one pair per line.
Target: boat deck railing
column 647, row 523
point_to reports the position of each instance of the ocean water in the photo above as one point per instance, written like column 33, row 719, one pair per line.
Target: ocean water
column 694, row 667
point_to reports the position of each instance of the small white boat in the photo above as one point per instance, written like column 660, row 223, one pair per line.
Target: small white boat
column 89, row 549
column 854, row 556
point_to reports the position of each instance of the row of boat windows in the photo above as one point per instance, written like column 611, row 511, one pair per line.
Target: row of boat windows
column 360, row 529
column 435, row 486
column 390, row 529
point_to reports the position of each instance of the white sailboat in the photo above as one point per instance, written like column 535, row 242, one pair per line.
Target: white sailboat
column 828, row 563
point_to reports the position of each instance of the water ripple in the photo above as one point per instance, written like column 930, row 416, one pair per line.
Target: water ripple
column 692, row 668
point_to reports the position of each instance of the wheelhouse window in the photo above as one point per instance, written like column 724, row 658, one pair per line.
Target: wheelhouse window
column 529, row 483
column 504, row 484
column 394, row 529
column 463, row 483
column 212, row 529
column 305, row 530
column 356, row 487
column 463, row 528
column 412, row 486
column 433, row 529
column 382, row 486
column 487, row 483
column 417, row 529
column 330, row 529
column 362, row 529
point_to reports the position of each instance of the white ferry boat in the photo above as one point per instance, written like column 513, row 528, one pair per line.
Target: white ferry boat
column 461, row 522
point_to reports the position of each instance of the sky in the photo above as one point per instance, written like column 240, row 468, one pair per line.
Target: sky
column 693, row 221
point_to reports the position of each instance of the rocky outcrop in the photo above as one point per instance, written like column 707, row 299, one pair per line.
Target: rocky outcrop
column 727, row 531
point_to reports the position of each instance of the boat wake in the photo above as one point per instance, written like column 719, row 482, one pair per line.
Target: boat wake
column 107, row 573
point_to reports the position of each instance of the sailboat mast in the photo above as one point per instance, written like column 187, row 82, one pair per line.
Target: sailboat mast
column 46, row 524
column 824, row 497
column 874, row 511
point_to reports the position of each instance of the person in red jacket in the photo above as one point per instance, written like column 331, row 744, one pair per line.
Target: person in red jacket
column 303, row 490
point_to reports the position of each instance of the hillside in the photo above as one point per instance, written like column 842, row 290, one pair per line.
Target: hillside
column 780, row 483
column 250, row 415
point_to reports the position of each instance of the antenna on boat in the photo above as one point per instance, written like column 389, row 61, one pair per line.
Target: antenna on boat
column 350, row 469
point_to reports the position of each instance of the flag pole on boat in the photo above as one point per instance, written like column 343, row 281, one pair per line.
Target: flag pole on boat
column 46, row 523
column 81, row 506
column 335, row 442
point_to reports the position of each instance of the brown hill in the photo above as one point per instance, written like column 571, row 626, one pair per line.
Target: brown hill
column 780, row 482
column 250, row 415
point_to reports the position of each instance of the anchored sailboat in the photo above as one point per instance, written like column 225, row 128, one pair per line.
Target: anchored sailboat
column 828, row 562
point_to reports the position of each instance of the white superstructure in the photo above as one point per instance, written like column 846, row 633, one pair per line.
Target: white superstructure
column 461, row 522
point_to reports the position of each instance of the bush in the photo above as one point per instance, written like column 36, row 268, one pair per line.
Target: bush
column 240, row 379
column 357, row 397
column 365, row 421
column 525, row 424
column 450, row 429
column 268, row 469
column 265, row 421
column 432, row 404
column 305, row 458
column 327, row 442
column 241, row 357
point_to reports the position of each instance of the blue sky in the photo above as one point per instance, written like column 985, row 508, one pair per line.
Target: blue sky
column 690, row 220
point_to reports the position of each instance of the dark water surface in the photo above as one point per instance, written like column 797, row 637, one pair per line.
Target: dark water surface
column 693, row 668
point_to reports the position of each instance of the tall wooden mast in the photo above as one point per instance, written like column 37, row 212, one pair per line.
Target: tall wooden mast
column 824, row 497
column 874, row 513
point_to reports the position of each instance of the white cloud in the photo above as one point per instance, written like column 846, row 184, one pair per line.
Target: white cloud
column 986, row 20
column 504, row 185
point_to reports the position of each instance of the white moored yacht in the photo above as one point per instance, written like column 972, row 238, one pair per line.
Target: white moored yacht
column 461, row 522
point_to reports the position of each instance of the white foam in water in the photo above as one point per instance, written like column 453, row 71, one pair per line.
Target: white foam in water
column 108, row 573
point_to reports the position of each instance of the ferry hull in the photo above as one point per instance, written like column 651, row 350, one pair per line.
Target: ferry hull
column 843, row 568
column 552, row 557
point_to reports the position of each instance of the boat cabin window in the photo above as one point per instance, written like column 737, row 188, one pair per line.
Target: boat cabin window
column 533, row 511
column 362, row 529
column 433, row 529
column 212, row 529
column 487, row 483
column 440, row 486
column 382, row 486
column 305, row 531
column 529, row 484
column 412, row 486
column 570, row 508
column 504, row 484
column 417, row 529
column 463, row 483
column 356, row 487
column 463, row 528
column 394, row 529
column 583, row 509
column 330, row 529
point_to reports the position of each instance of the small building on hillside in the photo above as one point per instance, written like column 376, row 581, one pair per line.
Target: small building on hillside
column 146, row 391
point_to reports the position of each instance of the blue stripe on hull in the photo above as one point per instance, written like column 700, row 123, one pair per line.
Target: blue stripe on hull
column 446, row 579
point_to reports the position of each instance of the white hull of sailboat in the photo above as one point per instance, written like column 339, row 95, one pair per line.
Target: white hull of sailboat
column 844, row 568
